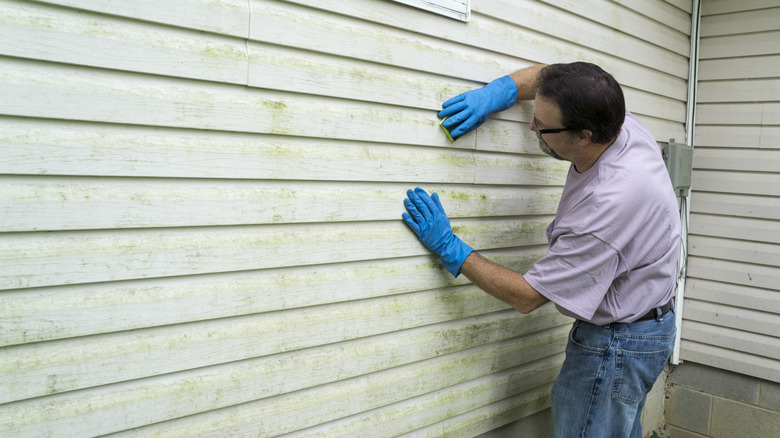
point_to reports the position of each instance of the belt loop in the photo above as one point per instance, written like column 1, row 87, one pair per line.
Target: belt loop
column 659, row 314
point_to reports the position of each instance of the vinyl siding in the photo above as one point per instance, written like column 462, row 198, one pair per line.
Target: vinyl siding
column 733, row 292
column 200, row 211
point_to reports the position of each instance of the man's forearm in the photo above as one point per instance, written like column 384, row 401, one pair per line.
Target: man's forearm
column 504, row 284
column 526, row 81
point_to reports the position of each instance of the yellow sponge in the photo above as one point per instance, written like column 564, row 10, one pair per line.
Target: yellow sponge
column 445, row 129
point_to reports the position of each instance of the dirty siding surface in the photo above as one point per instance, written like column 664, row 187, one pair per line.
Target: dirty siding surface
column 200, row 211
column 733, row 292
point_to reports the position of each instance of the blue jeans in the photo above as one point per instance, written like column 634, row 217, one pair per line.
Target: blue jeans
column 606, row 376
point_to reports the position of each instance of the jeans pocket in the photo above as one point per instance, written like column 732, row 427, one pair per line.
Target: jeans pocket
column 636, row 372
column 589, row 338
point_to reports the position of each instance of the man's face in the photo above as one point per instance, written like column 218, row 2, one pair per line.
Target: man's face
column 546, row 147
column 547, row 117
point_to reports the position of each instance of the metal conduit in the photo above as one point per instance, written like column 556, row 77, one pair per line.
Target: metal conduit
column 685, row 208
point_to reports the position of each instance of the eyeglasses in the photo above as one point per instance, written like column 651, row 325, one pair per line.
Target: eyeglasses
column 550, row 131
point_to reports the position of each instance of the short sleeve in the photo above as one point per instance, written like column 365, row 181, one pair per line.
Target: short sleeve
column 576, row 273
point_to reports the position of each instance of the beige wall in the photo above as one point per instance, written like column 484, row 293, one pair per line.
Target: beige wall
column 733, row 300
column 201, row 208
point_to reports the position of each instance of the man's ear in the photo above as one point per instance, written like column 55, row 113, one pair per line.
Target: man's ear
column 584, row 137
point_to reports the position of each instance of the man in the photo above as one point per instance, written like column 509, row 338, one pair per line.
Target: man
column 613, row 245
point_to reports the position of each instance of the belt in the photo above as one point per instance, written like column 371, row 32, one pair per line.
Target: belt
column 654, row 312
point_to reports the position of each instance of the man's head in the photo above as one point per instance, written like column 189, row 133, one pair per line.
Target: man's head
column 588, row 98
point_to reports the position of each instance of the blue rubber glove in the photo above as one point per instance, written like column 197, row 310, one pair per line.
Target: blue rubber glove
column 472, row 108
column 427, row 219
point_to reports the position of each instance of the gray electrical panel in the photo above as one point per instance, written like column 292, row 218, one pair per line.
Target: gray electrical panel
column 679, row 162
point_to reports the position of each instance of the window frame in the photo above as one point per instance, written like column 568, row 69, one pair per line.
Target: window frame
column 457, row 9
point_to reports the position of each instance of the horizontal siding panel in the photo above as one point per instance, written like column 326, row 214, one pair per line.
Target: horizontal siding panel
column 712, row 7
column 738, row 362
column 754, row 207
column 272, row 67
column 739, row 90
column 619, row 33
column 748, row 67
column 490, row 417
column 616, row 34
column 650, row 22
column 61, row 35
column 44, row 314
column 741, row 22
column 471, row 397
column 56, row 204
column 676, row 15
column 733, row 272
column 302, row 71
column 736, row 250
column 304, row 28
column 508, row 136
column 98, row 96
column 729, row 338
column 228, row 17
column 754, row 113
column 683, row 5
column 771, row 111
column 643, row 104
column 65, row 149
column 516, row 170
column 763, row 137
column 164, row 397
column 69, row 148
column 162, row 350
column 61, row 92
column 735, row 182
column 346, row 398
column 733, row 295
column 663, row 130
column 541, row 18
column 409, row 414
column 733, row 227
column 51, row 148
column 737, row 318
column 396, row 417
column 85, row 257
column 735, row 46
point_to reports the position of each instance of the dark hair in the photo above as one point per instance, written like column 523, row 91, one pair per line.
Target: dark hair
column 588, row 97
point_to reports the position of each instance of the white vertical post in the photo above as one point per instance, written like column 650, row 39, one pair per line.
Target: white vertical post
column 685, row 209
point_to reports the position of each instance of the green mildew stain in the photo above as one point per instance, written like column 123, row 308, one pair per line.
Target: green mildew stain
column 381, row 51
column 22, row 18
column 280, row 120
column 451, row 91
column 224, row 51
column 524, row 228
column 459, row 229
column 325, row 67
column 472, row 204
column 465, row 196
column 274, row 105
column 456, row 160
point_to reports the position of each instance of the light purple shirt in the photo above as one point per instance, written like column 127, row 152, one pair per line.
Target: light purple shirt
column 614, row 243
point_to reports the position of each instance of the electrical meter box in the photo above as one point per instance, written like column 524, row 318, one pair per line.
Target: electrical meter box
column 679, row 162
